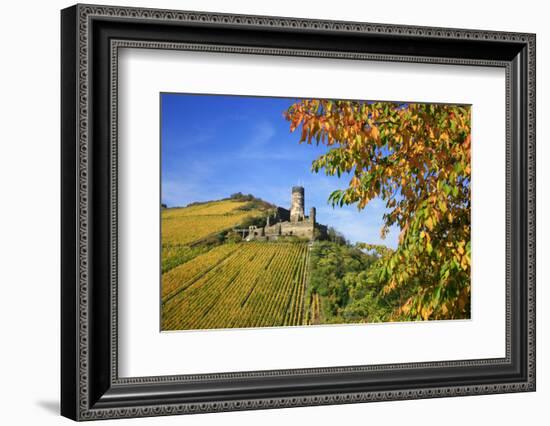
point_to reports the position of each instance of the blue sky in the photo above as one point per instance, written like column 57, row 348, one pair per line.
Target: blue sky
column 213, row 146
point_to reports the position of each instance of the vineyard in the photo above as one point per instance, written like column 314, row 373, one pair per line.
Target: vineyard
column 186, row 225
column 178, row 278
column 184, row 228
column 254, row 284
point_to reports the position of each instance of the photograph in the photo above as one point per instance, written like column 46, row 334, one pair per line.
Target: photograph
column 275, row 207
column 279, row 212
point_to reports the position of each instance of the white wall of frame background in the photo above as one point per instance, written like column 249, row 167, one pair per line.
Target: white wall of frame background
column 29, row 213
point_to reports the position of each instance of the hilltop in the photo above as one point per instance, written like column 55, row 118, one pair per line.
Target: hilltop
column 192, row 230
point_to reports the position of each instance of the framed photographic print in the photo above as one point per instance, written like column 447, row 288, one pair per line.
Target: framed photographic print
column 263, row 212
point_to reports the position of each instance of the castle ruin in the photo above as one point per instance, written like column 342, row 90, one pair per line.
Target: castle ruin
column 285, row 223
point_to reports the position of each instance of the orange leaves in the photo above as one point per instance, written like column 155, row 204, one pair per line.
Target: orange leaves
column 429, row 223
column 461, row 254
column 295, row 114
column 465, row 263
column 425, row 312
column 355, row 182
column 374, row 133
column 463, row 298
column 389, row 287
column 363, row 202
column 467, row 142
column 304, row 134
column 406, row 308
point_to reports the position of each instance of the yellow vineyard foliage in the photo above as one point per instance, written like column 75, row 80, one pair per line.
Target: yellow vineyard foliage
column 256, row 284
column 183, row 275
column 189, row 224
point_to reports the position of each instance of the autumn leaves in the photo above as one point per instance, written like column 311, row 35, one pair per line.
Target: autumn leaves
column 416, row 158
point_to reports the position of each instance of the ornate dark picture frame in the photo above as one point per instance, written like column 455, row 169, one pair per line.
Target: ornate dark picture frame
column 90, row 385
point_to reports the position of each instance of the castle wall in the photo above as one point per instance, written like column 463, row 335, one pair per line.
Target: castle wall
column 304, row 229
column 299, row 229
column 283, row 214
column 272, row 230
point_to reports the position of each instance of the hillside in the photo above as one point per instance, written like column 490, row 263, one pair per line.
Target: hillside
column 212, row 278
column 251, row 284
column 187, row 225
column 189, row 231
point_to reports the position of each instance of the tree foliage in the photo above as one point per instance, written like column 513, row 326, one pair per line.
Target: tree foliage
column 416, row 158
column 338, row 274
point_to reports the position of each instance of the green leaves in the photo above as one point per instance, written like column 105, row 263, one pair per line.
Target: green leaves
column 337, row 197
column 429, row 247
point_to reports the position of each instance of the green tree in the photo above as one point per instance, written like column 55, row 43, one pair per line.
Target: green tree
column 334, row 276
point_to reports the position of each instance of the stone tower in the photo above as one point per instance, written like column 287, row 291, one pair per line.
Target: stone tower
column 312, row 213
column 297, row 204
